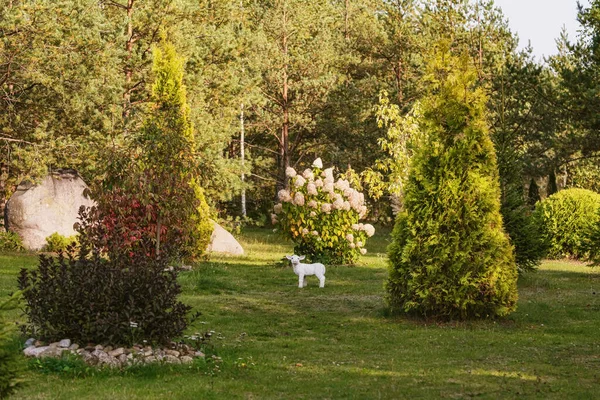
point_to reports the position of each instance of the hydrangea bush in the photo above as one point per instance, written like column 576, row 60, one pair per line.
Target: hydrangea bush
column 321, row 216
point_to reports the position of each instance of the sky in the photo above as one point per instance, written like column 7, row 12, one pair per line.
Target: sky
column 540, row 21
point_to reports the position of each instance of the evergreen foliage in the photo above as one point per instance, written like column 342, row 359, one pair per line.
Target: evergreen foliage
column 450, row 257
column 505, row 104
column 151, row 202
column 592, row 243
column 566, row 219
column 9, row 364
column 169, row 161
column 522, row 228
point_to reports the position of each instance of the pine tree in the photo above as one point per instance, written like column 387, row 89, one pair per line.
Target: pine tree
column 450, row 257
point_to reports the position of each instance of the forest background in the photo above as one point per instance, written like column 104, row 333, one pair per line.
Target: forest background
column 278, row 83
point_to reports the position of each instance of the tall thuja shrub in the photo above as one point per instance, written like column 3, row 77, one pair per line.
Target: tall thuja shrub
column 450, row 257
column 169, row 160
column 519, row 223
column 151, row 202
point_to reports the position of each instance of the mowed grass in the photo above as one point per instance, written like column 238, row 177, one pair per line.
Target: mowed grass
column 281, row 342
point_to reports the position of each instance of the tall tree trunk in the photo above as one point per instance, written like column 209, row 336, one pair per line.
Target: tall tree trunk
column 284, row 156
column 346, row 21
column 4, row 197
column 128, row 68
column 399, row 71
column 242, row 156
column 158, row 228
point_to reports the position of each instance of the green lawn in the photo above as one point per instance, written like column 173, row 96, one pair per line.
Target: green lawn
column 282, row 342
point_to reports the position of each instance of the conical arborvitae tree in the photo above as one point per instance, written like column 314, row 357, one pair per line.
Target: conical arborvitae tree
column 450, row 257
column 169, row 160
column 524, row 231
column 151, row 202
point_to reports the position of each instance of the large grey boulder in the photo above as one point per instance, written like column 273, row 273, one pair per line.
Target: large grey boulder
column 35, row 212
column 222, row 241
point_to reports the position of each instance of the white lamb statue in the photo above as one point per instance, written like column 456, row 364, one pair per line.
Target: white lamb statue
column 303, row 270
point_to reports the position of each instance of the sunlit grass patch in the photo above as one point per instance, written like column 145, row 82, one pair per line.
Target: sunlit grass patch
column 277, row 341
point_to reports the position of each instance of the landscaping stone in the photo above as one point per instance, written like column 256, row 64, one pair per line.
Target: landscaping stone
column 29, row 342
column 52, row 351
column 169, row 359
column 117, row 358
column 117, row 352
column 173, row 353
column 33, row 351
column 35, row 211
column 99, row 353
column 222, row 241
column 89, row 358
column 123, row 359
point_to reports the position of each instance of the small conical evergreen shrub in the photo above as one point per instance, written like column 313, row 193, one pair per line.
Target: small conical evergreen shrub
column 450, row 257
column 519, row 223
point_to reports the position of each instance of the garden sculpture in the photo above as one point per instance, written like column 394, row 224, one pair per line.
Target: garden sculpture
column 303, row 270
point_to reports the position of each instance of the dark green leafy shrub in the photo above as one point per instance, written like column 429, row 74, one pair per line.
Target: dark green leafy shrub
column 56, row 242
column 92, row 299
column 450, row 257
column 565, row 219
column 10, row 241
column 9, row 364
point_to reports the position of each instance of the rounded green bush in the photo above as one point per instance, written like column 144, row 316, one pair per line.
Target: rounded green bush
column 57, row 242
column 565, row 219
column 10, row 241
